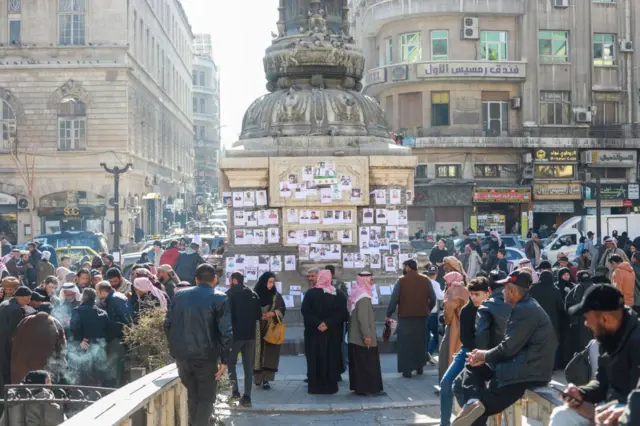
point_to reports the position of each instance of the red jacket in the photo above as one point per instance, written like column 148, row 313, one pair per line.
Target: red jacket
column 169, row 257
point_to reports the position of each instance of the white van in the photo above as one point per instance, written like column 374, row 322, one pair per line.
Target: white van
column 567, row 236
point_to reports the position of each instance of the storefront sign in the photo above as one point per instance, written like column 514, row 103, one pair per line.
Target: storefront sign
column 560, row 155
column 376, row 76
column 606, row 203
column 610, row 158
column 501, row 195
column 399, row 73
column 443, row 196
column 488, row 69
column 611, row 191
column 71, row 211
column 634, row 191
column 7, row 200
column 553, row 207
column 557, row 191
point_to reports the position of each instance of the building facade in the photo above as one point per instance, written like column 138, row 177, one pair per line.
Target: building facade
column 88, row 82
column 206, row 116
column 507, row 103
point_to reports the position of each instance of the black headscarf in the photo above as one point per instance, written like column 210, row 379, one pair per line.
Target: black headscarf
column 96, row 262
column 266, row 295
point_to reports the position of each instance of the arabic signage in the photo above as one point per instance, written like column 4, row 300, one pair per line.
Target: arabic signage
column 606, row 204
column 501, row 195
column 557, row 191
column 376, row 76
column 544, row 155
column 399, row 73
column 612, row 191
column 553, row 207
column 612, row 158
column 6, row 199
column 487, row 69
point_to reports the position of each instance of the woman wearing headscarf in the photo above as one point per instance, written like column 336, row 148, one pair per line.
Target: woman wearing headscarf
column 324, row 311
column 267, row 356
column 365, row 375
column 148, row 297
column 456, row 296
column 45, row 268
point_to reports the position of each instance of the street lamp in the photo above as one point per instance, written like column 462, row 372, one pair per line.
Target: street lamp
column 116, row 172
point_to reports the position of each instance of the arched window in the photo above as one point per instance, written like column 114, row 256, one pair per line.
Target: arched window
column 8, row 121
column 72, row 125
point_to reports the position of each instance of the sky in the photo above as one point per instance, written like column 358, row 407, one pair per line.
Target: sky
column 241, row 31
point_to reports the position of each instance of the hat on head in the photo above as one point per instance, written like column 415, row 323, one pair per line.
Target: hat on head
column 545, row 264
column 157, row 243
column 610, row 240
column 95, row 273
column 36, row 297
column 518, row 278
column 590, row 234
column 22, row 291
column 584, row 275
column 599, row 298
column 165, row 268
column 46, row 255
column 431, row 269
column 16, row 250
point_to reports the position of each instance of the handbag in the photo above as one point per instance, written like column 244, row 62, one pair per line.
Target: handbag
column 276, row 329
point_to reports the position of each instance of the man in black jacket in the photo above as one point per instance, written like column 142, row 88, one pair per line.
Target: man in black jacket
column 11, row 313
column 244, row 305
column 579, row 335
column 618, row 331
column 198, row 328
column 522, row 360
column 491, row 325
column 188, row 262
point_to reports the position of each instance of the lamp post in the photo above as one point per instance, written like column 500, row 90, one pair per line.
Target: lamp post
column 116, row 172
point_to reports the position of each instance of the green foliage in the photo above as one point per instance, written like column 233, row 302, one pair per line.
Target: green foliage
column 146, row 341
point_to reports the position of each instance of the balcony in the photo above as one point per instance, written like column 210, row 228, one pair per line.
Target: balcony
column 373, row 14
column 204, row 116
column 377, row 79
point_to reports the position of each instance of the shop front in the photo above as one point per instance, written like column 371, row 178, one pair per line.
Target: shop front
column 555, row 202
column 72, row 211
column 501, row 208
column 442, row 208
column 615, row 198
column 9, row 217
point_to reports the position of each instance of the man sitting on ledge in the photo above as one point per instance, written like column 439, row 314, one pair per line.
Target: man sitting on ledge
column 524, row 359
column 616, row 328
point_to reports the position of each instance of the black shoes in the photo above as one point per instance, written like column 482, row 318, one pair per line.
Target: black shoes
column 245, row 401
column 235, row 395
column 420, row 371
column 266, row 385
column 406, row 375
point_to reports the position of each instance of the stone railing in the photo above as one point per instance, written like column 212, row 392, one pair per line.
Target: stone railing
column 155, row 399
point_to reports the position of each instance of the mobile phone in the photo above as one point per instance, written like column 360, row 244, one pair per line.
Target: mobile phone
column 564, row 394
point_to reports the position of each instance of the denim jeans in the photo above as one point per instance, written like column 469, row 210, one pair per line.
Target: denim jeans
column 446, row 386
column 432, row 333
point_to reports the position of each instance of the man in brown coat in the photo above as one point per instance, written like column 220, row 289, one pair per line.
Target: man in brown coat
column 38, row 344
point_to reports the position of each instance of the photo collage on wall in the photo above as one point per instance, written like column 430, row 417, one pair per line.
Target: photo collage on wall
column 251, row 227
column 319, row 181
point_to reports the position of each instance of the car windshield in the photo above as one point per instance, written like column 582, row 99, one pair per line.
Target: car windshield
column 550, row 240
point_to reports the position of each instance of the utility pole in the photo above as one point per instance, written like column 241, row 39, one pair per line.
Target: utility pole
column 116, row 172
column 598, row 210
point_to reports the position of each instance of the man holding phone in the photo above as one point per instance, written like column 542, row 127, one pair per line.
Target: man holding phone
column 617, row 329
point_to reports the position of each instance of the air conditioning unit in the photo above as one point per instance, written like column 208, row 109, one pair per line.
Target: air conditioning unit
column 560, row 3
column 470, row 30
column 515, row 102
column 626, row 46
column 586, row 157
column 23, row 204
column 583, row 116
column 527, row 173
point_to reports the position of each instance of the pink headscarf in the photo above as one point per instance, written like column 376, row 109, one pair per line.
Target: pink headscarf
column 145, row 285
column 455, row 286
column 526, row 263
column 496, row 236
column 360, row 290
column 325, row 282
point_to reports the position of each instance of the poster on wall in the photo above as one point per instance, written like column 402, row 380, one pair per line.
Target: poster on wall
column 380, row 196
column 324, row 173
column 367, row 215
column 248, row 199
column 261, row 197
column 290, row 262
column 237, row 199
column 227, row 199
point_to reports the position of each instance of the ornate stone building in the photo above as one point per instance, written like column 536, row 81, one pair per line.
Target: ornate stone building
column 481, row 89
column 89, row 82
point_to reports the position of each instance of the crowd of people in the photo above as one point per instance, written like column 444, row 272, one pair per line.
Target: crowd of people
column 67, row 327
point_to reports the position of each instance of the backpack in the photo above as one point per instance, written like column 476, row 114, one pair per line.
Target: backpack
column 578, row 370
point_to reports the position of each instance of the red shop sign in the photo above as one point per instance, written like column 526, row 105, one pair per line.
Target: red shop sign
column 501, row 195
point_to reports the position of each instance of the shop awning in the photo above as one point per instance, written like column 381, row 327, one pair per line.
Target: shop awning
column 151, row 196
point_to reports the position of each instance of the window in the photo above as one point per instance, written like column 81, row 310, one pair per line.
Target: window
column 202, row 79
column 71, row 124
column 8, row 122
column 203, row 108
column 439, row 109
column 202, row 130
column 14, row 31
column 71, row 22
column 486, row 170
column 388, row 51
column 448, row 170
column 495, row 117
column 613, row 172
column 554, row 171
column 554, row 108
column 553, row 46
column 421, row 171
column 606, row 108
column 439, row 45
column 493, row 45
column 15, row 6
column 605, row 1
column 410, row 47
column 195, row 78
column 603, row 49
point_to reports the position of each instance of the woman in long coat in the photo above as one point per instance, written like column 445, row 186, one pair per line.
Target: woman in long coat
column 267, row 355
column 454, row 299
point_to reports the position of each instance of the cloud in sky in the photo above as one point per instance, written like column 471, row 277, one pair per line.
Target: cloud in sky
column 241, row 31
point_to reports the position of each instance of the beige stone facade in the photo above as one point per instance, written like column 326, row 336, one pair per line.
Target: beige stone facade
column 89, row 82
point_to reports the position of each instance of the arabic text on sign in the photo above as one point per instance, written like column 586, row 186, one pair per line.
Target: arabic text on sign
column 473, row 70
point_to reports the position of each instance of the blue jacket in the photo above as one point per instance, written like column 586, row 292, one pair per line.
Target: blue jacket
column 198, row 325
column 119, row 315
column 89, row 322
